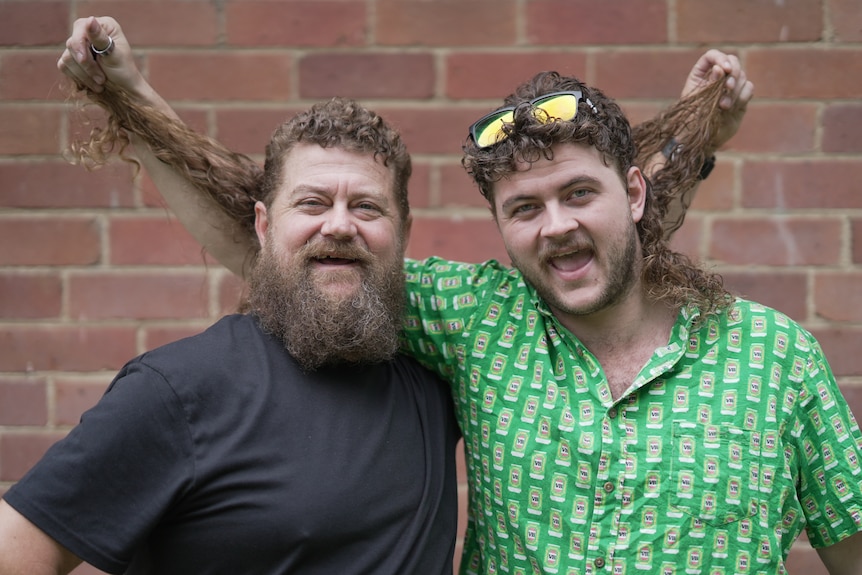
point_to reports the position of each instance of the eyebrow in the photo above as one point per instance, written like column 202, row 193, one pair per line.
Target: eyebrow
column 576, row 181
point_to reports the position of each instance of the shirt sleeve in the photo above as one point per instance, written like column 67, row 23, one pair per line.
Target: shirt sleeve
column 99, row 491
column 830, row 446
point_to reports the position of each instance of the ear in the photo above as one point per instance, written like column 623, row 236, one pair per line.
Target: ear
column 261, row 222
column 637, row 191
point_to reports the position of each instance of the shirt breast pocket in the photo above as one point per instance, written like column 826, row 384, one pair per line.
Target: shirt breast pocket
column 714, row 472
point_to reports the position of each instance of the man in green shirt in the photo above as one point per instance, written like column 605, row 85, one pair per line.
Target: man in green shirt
column 621, row 412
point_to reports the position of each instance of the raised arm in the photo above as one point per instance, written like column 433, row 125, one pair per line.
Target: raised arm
column 675, row 145
column 163, row 144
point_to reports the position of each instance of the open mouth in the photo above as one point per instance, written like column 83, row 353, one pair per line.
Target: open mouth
column 335, row 261
column 570, row 261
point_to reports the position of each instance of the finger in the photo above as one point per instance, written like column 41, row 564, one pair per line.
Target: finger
column 97, row 36
column 69, row 65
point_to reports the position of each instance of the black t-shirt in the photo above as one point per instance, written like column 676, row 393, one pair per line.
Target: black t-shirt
column 217, row 455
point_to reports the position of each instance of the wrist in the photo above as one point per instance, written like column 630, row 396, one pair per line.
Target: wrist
column 671, row 149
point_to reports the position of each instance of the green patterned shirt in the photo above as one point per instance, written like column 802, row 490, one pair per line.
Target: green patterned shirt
column 732, row 439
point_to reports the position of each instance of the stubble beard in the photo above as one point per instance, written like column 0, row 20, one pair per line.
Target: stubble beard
column 620, row 281
column 321, row 327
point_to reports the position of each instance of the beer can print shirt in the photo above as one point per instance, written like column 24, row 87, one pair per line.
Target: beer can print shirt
column 732, row 440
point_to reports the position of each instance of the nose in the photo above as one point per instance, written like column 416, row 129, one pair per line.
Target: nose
column 339, row 223
column 558, row 222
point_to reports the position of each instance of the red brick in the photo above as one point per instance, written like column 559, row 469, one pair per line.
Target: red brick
column 853, row 394
column 30, row 75
column 366, row 75
column 419, row 188
column 841, row 346
column 457, row 238
column 70, row 348
column 689, row 238
column 736, row 21
column 233, row 292
column 158, row 336
column 248, row 131
column 160, row 22
column 222, row 76
column 777, row 128
column 827, row 184
column 805, row 73
column 28, row 23
column 20, row 451
column 30, row 296
column 495, row 75
column 433, row 130
column 845, row 19
column 838, row 296
column 53, row 184
column 153, row 241
column 716, row 193
column 446, row 22
column 779, row 241
column 74, row 396
column 29, row 129
column 457, row 189
column 23, row 401
column 581, row 22
column 856, row 238
column 643, row 73
column 296, row 23
column 142, row 296
column 842, row 128
column 48, row 241
column 784, row 290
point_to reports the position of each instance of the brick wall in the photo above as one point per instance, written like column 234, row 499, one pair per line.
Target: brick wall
column 93, row 270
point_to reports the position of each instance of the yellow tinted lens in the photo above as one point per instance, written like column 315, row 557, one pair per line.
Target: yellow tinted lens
column 491, row 132
column 559, row 107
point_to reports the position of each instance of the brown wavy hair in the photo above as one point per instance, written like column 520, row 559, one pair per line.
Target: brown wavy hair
column 668, row 276
column 235, row 181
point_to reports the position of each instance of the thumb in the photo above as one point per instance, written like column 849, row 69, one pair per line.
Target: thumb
column 97, row 35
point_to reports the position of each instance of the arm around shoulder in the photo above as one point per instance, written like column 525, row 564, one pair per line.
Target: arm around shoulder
column 845, row 557
column 27, row 550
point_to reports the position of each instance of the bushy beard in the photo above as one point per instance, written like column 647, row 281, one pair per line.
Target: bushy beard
column 321, row 328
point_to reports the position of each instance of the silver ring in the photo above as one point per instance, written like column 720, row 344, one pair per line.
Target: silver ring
column 108, row 49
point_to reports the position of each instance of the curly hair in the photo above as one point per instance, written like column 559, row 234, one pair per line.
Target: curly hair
column 668, row 276
column 235, row 181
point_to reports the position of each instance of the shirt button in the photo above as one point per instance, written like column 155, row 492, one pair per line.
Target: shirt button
column 608, row 486
column 612, row 412
column 599, row 562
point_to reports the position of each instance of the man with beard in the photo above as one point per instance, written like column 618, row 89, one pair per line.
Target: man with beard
column 292, row 439
column 621, row 411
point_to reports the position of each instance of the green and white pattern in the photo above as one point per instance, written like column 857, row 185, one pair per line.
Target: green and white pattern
column 732, row 440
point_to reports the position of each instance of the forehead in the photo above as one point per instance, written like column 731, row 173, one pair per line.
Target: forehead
column 335, row 170
column 569, row 162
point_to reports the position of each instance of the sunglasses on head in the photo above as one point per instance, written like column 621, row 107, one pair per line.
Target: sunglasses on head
column 488, row 130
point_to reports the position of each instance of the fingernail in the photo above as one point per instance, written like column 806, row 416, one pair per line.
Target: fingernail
column 99, row 79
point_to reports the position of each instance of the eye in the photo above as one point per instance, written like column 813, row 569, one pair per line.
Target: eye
column 523, row 210
column 580, row 194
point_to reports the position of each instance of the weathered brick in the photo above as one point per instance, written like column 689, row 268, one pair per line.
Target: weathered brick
column 23, row 401
column 778, row 241
column 366, row 75
column 20, row 451
column 688, row 239
column 433, row 130
column 701, row 21
column 63, row 347
column 248, row 130
column 160, row 22
column 457, row 238
column 716, row 193
column 48, row 241
column 446, row 23
column 457, row 189
column 495, row 75
column 319, row 24
column 643, row 73
column 856, row 239
column 222, row 76
column 158, row 336
column 845, row 19
column 30, row 75
column 73, row 396
column 838, row 296
column 28, row 23
column 801, row 73
column 30, row 295
column 233, row 292
column 419, row 188
column 98, row 296
column 786, row 291
column 777, row 128
column 153, row 241
column 29, row 129
column 841, row 346
column 789, row 185
column 842, row 128
column 580, row 22
column 56, row 184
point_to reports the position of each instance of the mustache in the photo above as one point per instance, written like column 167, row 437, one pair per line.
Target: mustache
column 326, row 248
column 552, row 248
